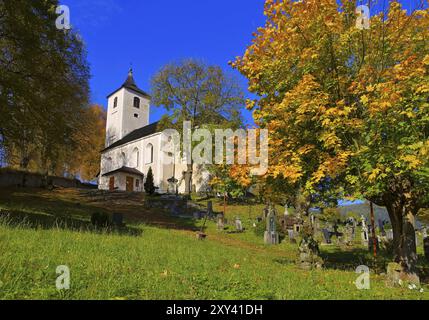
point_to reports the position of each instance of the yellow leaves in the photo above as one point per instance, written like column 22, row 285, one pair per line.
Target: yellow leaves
column 290, row 172
column 422, row 89
column 412, row 161
column 409, row 113
column 330, row 140
column 426, row 60
column 370, row 88
column 374, row 175
column 306, row 149
column 364, row 99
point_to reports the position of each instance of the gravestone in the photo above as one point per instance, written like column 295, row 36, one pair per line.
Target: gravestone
column 381, row 227
column 291, row 235
column 286, row 214
column 220, row 222
column 327, row 236
column 309, row 254
column 238, row 225
column 425, row 233
column 349, row 235
column 118, row 219
column 389, row 235
column 175, row 209
column 271, row 235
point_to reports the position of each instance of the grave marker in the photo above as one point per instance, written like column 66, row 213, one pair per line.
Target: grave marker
column 271, row 235
column 238, row 225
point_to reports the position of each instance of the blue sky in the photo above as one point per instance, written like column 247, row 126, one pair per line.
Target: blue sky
column 150, row 33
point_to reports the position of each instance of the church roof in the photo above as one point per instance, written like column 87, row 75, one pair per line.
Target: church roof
column 130, row 84
column 135, row 135
column 125, row 170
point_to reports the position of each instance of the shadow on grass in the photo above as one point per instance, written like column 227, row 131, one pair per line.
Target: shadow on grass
column 348, row 260
column 41, row 208
column 16, row 219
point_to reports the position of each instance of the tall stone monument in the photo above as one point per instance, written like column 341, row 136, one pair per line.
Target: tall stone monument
column 271, row 235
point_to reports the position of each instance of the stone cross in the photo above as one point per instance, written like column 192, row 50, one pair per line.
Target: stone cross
column 220, row 222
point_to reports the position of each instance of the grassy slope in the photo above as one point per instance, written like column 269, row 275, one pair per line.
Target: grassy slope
column 164, row 262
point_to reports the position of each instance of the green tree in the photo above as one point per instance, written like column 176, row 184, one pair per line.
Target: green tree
column 43, row 85
column 347, row 108
column 149, row 186
column 202, row 94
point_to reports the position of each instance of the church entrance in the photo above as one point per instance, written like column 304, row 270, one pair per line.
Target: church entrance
column 130, row 184
column 112, row 184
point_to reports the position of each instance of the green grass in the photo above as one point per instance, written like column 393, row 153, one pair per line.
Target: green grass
column 165, row 261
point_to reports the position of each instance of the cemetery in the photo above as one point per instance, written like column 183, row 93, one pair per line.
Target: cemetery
column 233, row 256
column 275, row 150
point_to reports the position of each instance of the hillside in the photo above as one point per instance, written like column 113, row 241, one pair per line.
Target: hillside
column 159, row 257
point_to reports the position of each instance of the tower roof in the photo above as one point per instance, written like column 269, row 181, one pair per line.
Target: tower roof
column 130, row 84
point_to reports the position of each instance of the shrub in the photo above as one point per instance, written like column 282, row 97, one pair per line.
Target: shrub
column 100, row 220
column 149, row 186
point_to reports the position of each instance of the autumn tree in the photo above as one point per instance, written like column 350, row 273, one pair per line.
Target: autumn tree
column 43, row 85
column 347, row 107
column 85, row 158
column 202, row 94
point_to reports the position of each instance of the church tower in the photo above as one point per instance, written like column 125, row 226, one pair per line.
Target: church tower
column 128, row 110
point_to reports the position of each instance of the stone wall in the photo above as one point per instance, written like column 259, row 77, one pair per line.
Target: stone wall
column 13, row 178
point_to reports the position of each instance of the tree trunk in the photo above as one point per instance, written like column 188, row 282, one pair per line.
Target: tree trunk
column 188, row 180
column 408, row 248
column 404, row 236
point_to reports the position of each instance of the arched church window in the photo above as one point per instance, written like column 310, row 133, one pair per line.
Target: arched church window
column 136, row 103
column 109, row 164
column 136, row 157
column 115, row 102
column 149, row 153
column 123, row 159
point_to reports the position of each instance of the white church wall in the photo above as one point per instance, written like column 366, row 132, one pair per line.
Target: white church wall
column 114, row 159
column 120, row 122
column 114, row 118
column 130, row 122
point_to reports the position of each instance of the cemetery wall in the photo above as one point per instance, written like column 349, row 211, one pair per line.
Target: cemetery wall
column 15, row 178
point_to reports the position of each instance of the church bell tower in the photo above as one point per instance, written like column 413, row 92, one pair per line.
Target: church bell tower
column 128, row 110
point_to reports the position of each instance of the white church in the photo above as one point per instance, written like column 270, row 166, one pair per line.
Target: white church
column 133, row 145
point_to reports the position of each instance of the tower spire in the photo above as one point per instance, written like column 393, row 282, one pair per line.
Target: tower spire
column 130, row 79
